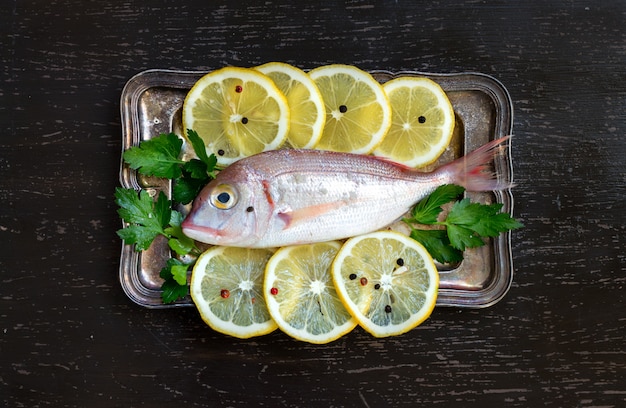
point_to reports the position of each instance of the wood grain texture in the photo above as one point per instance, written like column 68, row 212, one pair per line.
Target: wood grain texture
column 70, row 337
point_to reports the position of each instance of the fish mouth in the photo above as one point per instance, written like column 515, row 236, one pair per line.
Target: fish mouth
column 201, row 233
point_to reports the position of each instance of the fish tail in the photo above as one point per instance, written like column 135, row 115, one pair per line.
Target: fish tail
column 473, row 172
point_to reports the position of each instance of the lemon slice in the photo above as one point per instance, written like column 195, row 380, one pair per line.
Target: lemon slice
column 387, row 281
column 226, row 286
column 422, row 122
column 300, row 294
column 237, row 112
column 358, row 112
column 305, row 103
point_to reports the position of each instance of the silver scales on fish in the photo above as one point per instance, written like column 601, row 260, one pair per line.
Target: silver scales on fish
column 151, row 104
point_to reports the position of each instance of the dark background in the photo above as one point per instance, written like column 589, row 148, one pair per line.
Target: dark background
column 70, row 337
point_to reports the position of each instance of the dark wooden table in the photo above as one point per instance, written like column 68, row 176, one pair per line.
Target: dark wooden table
column 70, row 337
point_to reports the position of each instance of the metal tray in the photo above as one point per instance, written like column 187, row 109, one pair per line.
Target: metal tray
column 151, row 104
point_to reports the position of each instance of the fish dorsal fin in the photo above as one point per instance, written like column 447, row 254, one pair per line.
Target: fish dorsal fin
column 401, row 167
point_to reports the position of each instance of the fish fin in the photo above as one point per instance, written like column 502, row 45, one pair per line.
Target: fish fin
column 292, row 217
column 399, row 166
column 472, row 171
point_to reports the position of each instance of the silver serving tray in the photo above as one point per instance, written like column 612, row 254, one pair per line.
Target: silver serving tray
column 151, row 104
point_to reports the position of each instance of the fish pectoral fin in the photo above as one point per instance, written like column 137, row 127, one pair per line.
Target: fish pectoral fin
column 292, row 217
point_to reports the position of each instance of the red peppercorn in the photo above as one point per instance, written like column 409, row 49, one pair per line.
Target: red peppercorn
column 363, row 281
column 238, row 89
column 274, row 291
column 225, row 293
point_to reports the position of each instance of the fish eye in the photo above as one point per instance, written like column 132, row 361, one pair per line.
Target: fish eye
column 223, row 197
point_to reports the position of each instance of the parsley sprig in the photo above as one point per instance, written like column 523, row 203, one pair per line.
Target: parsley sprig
column 466, row 225
column 148, row 217
column 159, row 157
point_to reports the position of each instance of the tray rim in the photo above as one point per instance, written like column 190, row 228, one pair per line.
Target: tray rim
column 497, row 288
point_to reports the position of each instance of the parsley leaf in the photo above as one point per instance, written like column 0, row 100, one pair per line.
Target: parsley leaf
column 198, row 146
column 196, row 169
column 157, row 157
column 196, row 173
column 186, row 189
column 179, row 242
column 485, row 220
column 463, row 237
column 172, row 291
column 147, row 218
column 495, row 223
column 427, row 210
column 438, row 245
column 466, row 225
column 175, row 269
column 174, row 276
